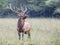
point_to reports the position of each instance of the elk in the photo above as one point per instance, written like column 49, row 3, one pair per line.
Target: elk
column 22, row 26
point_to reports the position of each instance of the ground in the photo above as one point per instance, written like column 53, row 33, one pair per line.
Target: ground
column 44, row 31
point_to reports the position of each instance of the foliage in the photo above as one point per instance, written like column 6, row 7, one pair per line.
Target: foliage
column 37, row 7
column 31, row 4
column 3, row 3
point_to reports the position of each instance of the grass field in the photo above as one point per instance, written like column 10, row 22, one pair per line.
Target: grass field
column 44, row 31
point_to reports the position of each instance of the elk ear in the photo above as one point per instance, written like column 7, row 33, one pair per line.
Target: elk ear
column 25, row 17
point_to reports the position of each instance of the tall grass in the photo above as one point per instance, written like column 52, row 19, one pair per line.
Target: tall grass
column 44, row 31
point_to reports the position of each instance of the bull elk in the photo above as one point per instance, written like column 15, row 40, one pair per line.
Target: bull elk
column 22, row 26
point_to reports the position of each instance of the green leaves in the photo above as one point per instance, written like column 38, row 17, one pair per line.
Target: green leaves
column 32, row 4
column 3, row 3
column 53, row 3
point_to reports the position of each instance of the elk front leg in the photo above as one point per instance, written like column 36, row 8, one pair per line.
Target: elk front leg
column 19, row 35
column 22, row 35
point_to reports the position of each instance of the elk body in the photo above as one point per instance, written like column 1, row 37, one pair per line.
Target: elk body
column 22, row 26
column 24, row 29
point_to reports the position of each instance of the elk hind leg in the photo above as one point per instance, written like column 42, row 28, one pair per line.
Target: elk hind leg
column 29, row 36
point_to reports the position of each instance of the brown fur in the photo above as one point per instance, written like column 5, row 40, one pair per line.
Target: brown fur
column 23, row 27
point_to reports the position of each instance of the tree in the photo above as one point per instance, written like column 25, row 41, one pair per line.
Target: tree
column 31, row 4
column 3, row 3
column 55, row 3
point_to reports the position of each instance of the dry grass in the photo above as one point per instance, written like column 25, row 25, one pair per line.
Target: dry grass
column 44, row 31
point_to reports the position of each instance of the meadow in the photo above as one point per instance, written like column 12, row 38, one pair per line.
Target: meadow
column 44, row 31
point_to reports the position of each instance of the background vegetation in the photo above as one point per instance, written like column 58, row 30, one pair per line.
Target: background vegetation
column 36, row 8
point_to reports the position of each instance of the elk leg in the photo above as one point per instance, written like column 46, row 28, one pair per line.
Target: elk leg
column 19, row 35
column 22, row 35
column 29, row 36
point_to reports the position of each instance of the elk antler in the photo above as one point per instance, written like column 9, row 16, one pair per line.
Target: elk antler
column 23, row 9
column 15, row 9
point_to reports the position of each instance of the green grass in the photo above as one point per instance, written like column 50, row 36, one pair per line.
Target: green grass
column 44, row 31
